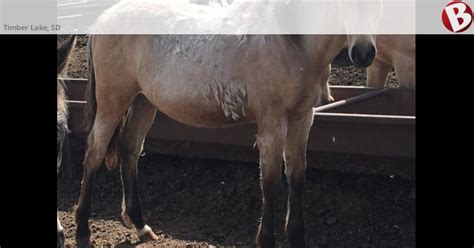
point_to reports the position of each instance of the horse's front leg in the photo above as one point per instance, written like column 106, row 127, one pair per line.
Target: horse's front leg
column 139, row 121
column 270, row 141
column 295, row 170
column 405, row 70
column 377, row 73
column 326, row 96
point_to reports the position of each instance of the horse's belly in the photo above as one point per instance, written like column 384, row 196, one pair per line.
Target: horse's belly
column 201, row 106
column 199, row 117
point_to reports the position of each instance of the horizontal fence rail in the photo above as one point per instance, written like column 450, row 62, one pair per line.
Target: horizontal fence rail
column 362, row 121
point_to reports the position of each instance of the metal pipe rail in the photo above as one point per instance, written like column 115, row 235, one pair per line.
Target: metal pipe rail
column 367, row 121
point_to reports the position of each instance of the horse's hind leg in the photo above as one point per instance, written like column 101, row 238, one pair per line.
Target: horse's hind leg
column 61, row 135
column 139, row 121
column 326, row 96
column 111, row 108
column 60, row 235
column 377, row 73
column 270, row 141
column 295, row 170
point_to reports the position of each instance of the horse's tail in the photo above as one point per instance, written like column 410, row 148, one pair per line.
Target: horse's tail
column 91, row 106
column 111, row 157
column 63, row 52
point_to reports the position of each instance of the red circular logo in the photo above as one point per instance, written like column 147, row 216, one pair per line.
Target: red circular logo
column 457, row 16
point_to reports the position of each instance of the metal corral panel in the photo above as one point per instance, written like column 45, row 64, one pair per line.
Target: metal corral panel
column 382, row 126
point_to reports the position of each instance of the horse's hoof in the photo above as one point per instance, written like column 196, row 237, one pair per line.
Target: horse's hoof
column 60, row 239
column 83, row 243
column 328, row 100
column 147, row 235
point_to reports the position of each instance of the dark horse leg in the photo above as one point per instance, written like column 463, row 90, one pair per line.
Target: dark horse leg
column 271, row 139
column 60, row 239
column 93, row 160
column 61, row 134
column 108, row 116
column 295, row 170
column 139, row 121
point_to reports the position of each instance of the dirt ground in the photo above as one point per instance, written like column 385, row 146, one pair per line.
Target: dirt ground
column 199, row 202
column 205, row 202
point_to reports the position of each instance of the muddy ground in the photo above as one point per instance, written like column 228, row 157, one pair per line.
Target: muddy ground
column 204, row 202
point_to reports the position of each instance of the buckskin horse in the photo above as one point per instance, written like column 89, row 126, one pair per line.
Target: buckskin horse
column 208, row 81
